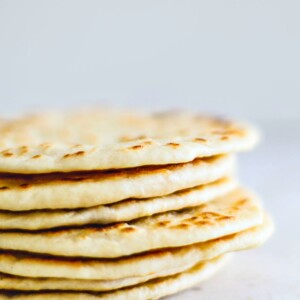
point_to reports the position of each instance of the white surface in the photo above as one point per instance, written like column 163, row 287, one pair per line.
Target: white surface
column 271, row 272
column 233, row 57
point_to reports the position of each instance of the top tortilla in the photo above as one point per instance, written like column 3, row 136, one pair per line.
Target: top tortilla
column 110, row 139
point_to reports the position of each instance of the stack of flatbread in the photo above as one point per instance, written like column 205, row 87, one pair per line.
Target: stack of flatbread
column 121, row 205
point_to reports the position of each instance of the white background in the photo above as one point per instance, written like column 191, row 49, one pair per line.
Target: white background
column 231, row 57
column 239, row 58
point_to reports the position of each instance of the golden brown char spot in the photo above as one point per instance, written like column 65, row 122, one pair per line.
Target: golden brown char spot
column 23, row 149
column 2, row 188
column 24, row 185
column 36, row 156
column 241, row 202
column 163, row 223
column 210, row 214
column 126, row 138
column 227, row 132
column 173, row 145
column 223, row 218
column 79, row 153
column 224, row 138
column 182, row 226
column 200, row 140
column 136, row 147
column 202, row 223
column 128, row 229
column 7, row 153
column 147, row 143
column 119, row 226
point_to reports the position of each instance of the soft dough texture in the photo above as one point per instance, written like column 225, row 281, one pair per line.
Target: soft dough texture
column 87, row 189
column 110, row 139
column 153, row 289
column 9, row 282
column 232, row 213
column 126, row 210
column 31, row 265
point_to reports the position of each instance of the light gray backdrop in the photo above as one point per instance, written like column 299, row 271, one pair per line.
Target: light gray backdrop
column 233, row 57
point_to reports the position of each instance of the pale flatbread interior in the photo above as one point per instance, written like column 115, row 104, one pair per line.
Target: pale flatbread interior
column 107, row 139
column 144, row 264
column 237, row 211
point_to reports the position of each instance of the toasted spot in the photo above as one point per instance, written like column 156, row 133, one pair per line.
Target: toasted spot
column 241, row 202
column 2, row 188
column 126, row 138
column 182, row 226
column 147, row 143
column 202, row 223
column 163, row 223
column 200, row 140
column 7, row 153
column 128, row 229
column 173, row 145
column 210, row 214
column 136, row 147
column 227, row 132
column 224, row 138
column 36, row 156
column 119, row 226
column 24, row 185
column 23, row 149
column 224, row 218
column 79, row 153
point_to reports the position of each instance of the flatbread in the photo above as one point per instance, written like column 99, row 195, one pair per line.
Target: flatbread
column 86, row 189
column 9, row 282
column 108, row 139
column 232, row 213
column 154, row 289
column 30, row 265
column 126, row 210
